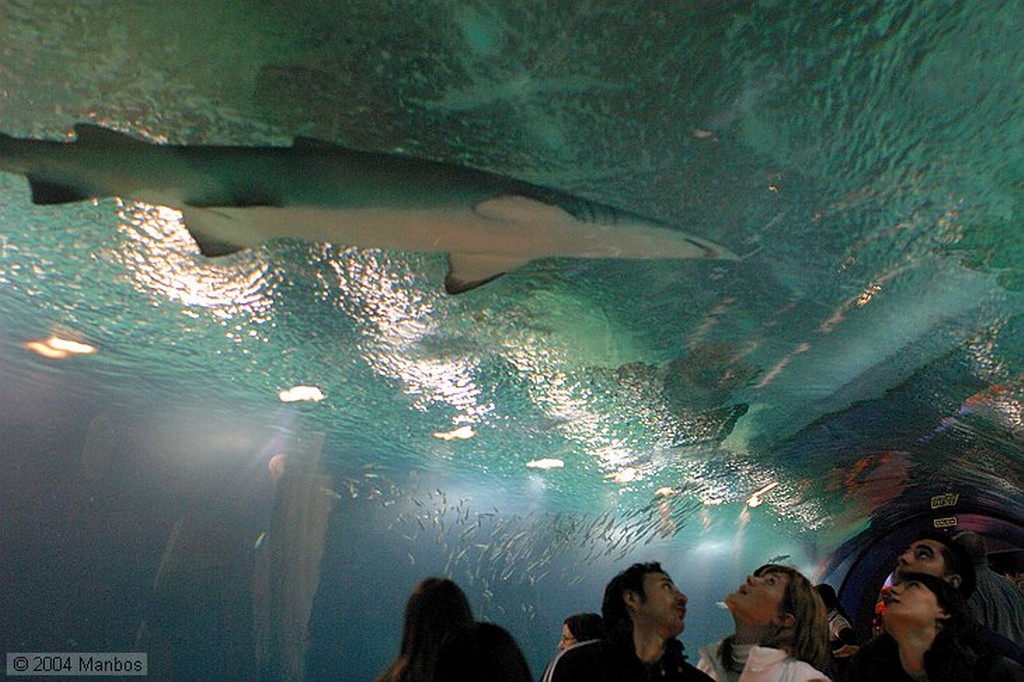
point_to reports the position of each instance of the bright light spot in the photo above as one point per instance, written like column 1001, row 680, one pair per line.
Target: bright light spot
column 755, row 499
column 665, row 491
column 45, row 350
column 72, row 347
column 627, row 475
column 161, row 256
column 868, row 294
column 710, row 547
column 301, row 393
column 546, row 463
column 461, row 433
column 57, row 348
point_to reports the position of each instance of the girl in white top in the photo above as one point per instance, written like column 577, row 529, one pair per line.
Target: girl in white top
column 781, row 632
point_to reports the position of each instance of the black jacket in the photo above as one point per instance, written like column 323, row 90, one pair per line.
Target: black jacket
column 610, row 661
column 879, row 661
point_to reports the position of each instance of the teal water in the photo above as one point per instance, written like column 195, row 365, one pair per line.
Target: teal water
column 862, row 355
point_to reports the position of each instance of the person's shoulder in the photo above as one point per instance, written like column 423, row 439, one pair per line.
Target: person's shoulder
column 1001, row 645
column 579, row 662
column 766, row 658
column 875, row 660
column 804, row 671
column 1003, row 669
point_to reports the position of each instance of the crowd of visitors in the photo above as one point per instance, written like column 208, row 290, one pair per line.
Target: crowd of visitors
column 945, row 618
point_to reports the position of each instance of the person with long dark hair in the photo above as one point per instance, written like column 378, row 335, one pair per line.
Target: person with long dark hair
column 929, row 635
column 481, row 652
column 436, row 608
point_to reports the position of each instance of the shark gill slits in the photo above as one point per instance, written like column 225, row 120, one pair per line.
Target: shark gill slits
column 590, row 212
column 708, row 253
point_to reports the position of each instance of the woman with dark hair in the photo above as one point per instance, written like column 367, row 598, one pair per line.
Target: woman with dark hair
column 481, row 652
column 580, row 627
column 577, row 629
column 841, row 636
column 436, row 608
column 929, row 635
column 780, row 634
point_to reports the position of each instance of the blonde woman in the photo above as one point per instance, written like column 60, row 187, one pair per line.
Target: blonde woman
column 781, row 633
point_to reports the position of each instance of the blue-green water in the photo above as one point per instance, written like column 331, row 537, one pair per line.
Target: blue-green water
column 862, row 356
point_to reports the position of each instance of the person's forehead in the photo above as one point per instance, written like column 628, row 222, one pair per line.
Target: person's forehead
column 934, row 545
column 780, row 576
column 656, row 577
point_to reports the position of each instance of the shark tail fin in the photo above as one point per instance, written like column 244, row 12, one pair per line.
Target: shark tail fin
column 47, row 192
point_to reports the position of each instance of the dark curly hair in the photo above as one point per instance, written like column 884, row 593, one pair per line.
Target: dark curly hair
column 617, row 622
column 585, row 626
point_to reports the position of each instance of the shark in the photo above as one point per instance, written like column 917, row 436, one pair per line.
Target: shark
column 237, row 197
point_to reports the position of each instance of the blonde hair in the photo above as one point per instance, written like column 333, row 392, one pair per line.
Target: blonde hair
column 806, row 639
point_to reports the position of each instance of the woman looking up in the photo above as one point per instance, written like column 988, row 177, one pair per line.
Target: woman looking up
column 781, row 633
column 929, row 635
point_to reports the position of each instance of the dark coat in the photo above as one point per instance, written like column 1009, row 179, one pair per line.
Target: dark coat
column 606, row 660
column 879, row 661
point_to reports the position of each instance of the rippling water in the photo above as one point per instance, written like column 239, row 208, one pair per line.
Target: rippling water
column 531, row 437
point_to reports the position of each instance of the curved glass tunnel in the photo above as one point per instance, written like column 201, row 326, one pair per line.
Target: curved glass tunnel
column 241, row 465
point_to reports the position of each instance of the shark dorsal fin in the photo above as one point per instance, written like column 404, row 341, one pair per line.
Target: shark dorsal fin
column 514, row 208
column 90, row 134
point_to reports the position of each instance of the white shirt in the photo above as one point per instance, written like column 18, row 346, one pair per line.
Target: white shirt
column 763, row 664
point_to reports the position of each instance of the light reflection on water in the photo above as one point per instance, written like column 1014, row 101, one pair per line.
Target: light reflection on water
column 863, row 156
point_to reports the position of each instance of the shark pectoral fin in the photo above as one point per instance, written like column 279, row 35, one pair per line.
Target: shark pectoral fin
column 519, row 209
column 207, row 227
column 46, row 192
column 467, row 271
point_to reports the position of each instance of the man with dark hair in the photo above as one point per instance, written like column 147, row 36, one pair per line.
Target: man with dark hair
column 643, row 614
column 933, row 553
column 996, row 603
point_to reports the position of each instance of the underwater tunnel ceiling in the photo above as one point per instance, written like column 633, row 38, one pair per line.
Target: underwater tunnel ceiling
column 854, row 374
